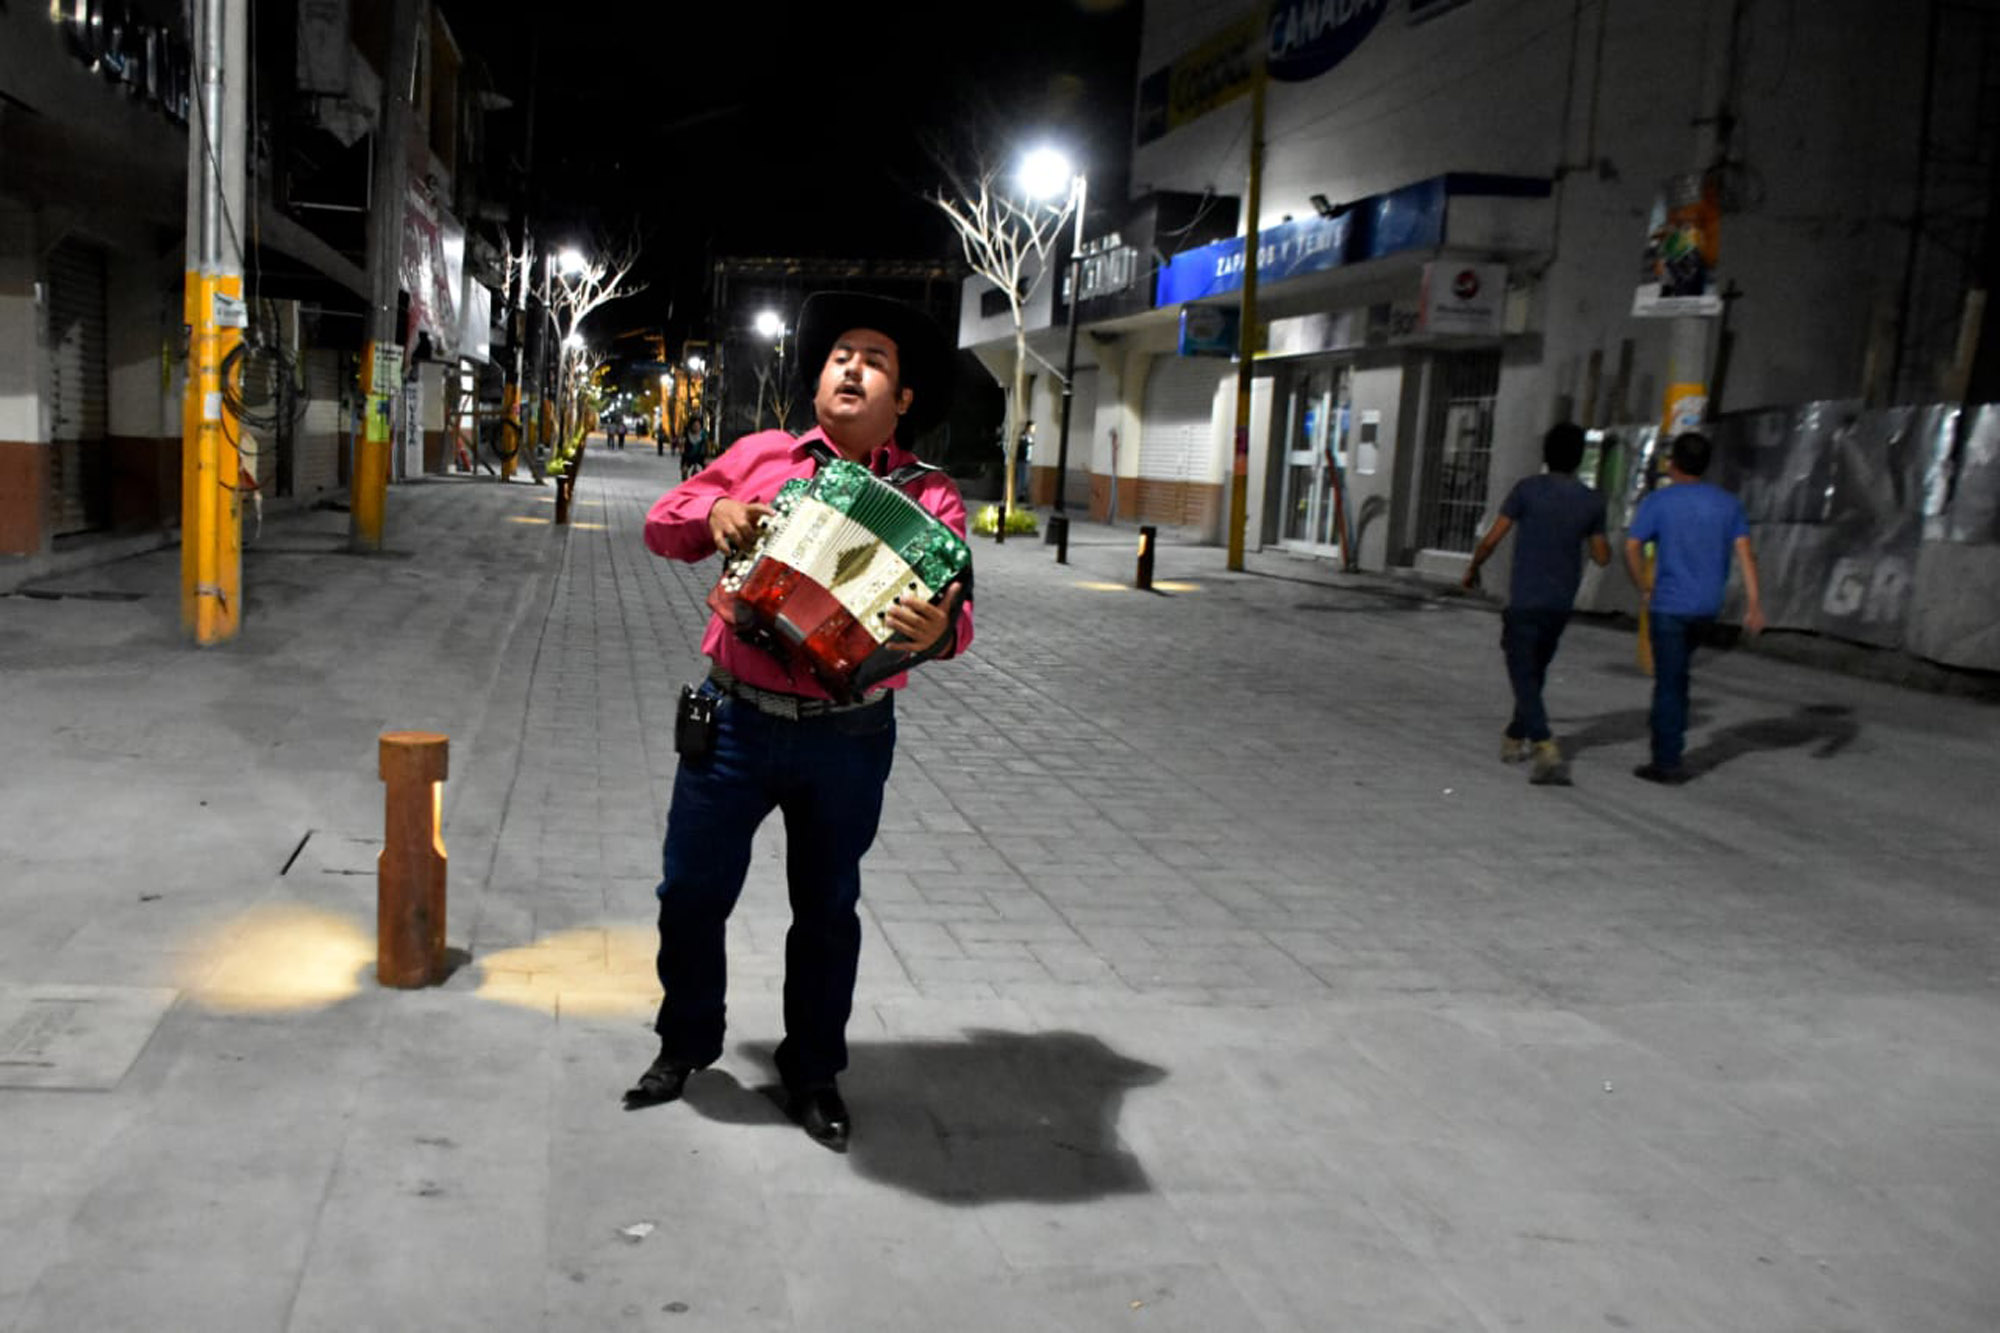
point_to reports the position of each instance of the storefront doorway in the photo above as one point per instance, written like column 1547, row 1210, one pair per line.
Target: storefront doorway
column 1312, row 516
column 1458, row 449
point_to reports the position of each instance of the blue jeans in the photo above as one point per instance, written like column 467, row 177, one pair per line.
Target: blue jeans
column 1674, row 639
column 1528, row 640
column 827, row 775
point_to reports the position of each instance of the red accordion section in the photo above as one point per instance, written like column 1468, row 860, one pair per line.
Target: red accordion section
column 808, row 617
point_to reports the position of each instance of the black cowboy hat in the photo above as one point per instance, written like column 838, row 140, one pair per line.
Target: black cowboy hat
column 923, row 353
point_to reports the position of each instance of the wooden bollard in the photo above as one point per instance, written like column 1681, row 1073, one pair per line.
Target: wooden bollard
column 1142, row 577
column 409, row 875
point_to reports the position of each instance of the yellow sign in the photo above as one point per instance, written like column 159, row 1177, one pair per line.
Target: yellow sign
column 1216, row 72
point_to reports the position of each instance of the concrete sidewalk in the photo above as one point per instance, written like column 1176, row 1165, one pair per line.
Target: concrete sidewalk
column 1217, row 975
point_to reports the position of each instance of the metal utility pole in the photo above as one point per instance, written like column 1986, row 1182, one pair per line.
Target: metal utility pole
column 382, row 359
column 1246, row 338
column 525, row 244
column 1059, row 521
column 212, row 302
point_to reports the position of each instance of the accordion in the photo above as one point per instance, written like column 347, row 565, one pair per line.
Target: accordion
column 836, row 552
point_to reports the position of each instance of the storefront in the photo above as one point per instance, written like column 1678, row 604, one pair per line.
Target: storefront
column 1385, row 325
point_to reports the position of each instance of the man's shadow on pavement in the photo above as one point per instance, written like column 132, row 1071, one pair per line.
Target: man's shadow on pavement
column 996, row 1117
column 1628, row 724
column 1831, row 728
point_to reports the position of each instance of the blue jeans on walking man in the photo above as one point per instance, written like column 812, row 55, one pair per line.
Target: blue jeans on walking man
column 1528, row 640
column 826, row 774
column 1674, row 639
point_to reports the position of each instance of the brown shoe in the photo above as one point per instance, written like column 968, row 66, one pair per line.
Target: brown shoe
column 1548, row 770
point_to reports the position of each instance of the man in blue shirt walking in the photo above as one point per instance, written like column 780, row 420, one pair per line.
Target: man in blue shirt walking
column 1557, row 515
column 1694, row 528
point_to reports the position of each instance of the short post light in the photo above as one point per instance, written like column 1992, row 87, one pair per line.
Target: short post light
column 1142, row 578
column 410, row 872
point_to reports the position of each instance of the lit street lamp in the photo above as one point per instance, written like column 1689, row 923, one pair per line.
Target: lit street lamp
column 1046, row 173
column 771, row 328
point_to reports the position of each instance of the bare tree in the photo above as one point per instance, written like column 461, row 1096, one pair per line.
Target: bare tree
column 773, row 389
column 593, row 277
column 1010, row 242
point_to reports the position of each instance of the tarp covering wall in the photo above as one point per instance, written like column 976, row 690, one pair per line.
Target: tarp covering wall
column 1880, row 527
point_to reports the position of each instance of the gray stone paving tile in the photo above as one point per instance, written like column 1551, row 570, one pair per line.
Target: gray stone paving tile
column 921, row 939
column 1384, row 1014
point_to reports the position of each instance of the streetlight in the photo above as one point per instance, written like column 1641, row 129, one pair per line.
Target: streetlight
column 1046, row 173
column 570, row 263
column 771, row 328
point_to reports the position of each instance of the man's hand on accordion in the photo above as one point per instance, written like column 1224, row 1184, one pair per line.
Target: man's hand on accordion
column 732, row 525
column 918, row 624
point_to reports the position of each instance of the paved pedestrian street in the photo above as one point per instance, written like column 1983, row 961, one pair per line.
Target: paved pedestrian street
column 1216, row 974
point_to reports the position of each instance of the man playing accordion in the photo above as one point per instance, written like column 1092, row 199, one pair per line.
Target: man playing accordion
column 766, row 732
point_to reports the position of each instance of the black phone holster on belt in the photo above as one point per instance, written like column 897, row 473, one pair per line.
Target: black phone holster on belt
column 695, row 723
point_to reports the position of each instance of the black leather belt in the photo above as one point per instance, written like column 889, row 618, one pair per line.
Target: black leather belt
column 791, row 707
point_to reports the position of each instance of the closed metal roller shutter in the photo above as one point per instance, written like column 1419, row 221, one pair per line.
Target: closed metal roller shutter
column 78, row 387
column 318, row 466
column 1176, row 438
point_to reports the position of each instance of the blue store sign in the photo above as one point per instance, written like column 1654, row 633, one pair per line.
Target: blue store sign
column 1310, row 37
column 1284, row 251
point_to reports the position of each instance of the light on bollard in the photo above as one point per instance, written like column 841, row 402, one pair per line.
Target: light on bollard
column 1144, row 578
column 409, row 875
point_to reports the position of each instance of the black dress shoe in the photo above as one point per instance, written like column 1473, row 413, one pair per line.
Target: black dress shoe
column 823, row 1116
column 1666, row 777
column 661, row 1083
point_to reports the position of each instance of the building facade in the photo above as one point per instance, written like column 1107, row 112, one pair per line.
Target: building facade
column 1479, row 218
column 95, row 104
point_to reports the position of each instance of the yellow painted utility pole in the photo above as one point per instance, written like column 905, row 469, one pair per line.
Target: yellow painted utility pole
column 1246, row 341
column 212, row 306
column 382, row 357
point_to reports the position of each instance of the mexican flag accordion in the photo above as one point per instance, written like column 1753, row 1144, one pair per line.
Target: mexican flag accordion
column 840, row 547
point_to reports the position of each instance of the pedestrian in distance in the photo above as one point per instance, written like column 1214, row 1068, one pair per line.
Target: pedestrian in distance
column 1694, row 527
column 1558, row 518
column 694, row 454
column 760, row 735
column 660, row 439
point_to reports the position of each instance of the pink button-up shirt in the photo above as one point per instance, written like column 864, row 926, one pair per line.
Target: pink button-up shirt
column 751, row 471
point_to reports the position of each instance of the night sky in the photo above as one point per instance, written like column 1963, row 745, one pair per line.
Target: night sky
column 754, row 129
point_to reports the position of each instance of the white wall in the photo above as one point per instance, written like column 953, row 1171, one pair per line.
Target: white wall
column 1376, row 388
column 1478, row 89
column 20, row 352
column 1820, row 173
column 135, row 336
